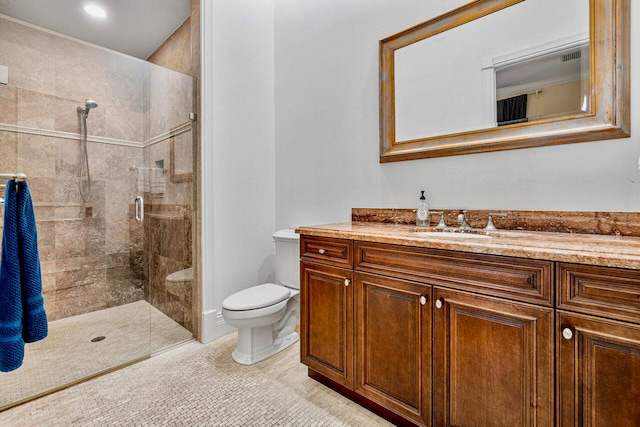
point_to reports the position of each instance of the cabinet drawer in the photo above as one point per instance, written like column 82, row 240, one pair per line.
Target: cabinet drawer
column 602, row 291
column 519, row 279
column 326, row 250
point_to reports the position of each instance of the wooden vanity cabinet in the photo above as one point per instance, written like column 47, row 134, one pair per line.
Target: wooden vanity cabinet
column 598, row 365
column 326, row 308
column 493, row 361
column 380, row 325
column 393, row 344
column 492, row 358
column 598, row 346
column 470, row 359
column 444, row 338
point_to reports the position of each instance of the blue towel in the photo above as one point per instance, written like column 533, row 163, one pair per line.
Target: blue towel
column 11, row 341
column 22, row 315
column 34, row 318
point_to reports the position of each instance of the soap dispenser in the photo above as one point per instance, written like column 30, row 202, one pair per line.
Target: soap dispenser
column 422, row 212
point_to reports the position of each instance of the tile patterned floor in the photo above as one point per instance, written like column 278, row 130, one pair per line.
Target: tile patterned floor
column 131, row 331
column 197, row 385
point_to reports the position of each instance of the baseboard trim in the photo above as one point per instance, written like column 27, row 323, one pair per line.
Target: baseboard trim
column 222, row 328
column 209, row 326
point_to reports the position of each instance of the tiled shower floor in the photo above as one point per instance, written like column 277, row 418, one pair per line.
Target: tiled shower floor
column 68, row 355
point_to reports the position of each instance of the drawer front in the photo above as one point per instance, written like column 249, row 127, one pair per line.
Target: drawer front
column 519, row 279
column 601, row 291
column 326, row 250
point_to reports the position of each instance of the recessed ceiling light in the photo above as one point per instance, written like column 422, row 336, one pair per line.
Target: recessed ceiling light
column 95, row 10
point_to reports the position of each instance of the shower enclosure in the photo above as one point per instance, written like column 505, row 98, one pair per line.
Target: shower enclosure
column 116, row 290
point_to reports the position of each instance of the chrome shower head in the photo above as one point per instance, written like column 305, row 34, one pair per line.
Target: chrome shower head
column 88, row 104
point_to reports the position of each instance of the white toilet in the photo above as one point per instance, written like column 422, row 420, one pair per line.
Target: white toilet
column 266, row 315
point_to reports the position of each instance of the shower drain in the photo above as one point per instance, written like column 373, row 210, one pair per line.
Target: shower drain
column 98, row 339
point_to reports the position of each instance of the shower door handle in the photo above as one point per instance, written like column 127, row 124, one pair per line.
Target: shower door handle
column 139, row 209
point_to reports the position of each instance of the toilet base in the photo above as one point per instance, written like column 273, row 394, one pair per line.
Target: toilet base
column 250, row 351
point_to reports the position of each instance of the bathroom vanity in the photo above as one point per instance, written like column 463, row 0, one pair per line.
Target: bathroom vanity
column 506, row 328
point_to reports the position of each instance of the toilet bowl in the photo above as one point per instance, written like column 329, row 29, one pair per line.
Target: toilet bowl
column 266, row 315
column 180, row 283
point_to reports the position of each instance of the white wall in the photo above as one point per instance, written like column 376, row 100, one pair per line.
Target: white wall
column 327, row 130
column 324, row 137
column 238, row 192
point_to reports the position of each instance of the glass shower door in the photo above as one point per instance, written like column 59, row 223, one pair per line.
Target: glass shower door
column 116, row 290
column 169, row 197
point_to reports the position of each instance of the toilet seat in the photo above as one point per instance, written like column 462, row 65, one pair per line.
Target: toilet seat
column 256, row 297
column 256, row 317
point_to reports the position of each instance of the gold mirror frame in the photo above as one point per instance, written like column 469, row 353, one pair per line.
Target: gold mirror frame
column 608, row 118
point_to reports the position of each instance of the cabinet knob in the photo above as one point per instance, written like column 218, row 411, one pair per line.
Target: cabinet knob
column 321, row 251
column 423, row 300
column 567, row 333
column 439, row 302
column 347, row 282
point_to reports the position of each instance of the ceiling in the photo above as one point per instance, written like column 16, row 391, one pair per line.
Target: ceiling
column 134, row 27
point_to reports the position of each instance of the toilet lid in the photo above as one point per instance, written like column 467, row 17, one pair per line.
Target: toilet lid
column 256, row 297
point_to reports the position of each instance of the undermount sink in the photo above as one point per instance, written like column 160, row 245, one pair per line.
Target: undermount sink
column 451, row 234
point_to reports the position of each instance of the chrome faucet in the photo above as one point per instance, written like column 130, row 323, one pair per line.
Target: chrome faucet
column 490, row 225
column 462, row 221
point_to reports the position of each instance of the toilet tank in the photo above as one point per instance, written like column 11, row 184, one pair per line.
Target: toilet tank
column 287, row 258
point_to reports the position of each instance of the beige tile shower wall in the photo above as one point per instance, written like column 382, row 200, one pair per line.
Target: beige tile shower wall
column 56, row 74
column 91, row 253
column 175, row 52
column 170, row 99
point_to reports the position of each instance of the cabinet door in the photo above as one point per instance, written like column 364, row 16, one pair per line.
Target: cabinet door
column 393, row 345
column 326, row 322
column 598, row 372
column 493, row 362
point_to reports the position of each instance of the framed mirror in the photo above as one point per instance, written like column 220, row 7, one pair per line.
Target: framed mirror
column 505, row 74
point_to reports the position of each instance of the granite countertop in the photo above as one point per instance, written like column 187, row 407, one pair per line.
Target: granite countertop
column 593, row 249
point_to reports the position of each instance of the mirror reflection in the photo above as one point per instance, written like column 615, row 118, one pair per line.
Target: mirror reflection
column 545, row 86
column 526, row 63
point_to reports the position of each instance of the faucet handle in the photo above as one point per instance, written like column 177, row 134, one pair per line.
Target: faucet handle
column 462, row 220
column 490, row 225
column 441, row 223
